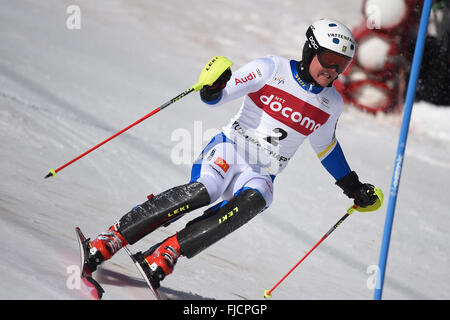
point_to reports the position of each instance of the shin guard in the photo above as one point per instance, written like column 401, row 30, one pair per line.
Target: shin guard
column 162, row 209
column 204, row 232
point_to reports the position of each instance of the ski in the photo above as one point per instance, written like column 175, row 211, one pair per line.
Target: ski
column 93, row 286
column 137, row 261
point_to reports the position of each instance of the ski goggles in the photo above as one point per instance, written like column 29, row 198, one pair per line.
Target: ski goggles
column 333, row 60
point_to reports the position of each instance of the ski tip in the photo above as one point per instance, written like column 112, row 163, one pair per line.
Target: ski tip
column 267, row 294
column 79, row 233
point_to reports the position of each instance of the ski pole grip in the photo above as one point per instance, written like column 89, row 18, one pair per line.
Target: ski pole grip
column 377, row 205
column 212, row 71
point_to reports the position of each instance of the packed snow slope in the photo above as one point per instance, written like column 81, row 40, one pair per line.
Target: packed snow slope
column 64, row 90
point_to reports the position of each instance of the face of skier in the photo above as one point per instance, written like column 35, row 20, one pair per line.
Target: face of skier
column 322, row 75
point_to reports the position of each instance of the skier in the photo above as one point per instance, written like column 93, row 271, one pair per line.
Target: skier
column 285, row 102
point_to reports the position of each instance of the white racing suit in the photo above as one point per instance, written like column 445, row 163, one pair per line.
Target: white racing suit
column 278, row 113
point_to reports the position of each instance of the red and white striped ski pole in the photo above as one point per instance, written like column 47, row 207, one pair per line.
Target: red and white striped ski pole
column 268, row 293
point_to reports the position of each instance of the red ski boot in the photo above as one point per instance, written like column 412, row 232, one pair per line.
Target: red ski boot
column 104, row 247
column 159, row 261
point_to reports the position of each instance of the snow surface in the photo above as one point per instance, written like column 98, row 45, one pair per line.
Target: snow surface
column 62, row 91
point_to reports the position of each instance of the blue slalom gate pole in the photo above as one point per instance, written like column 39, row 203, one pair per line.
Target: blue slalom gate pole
column 409, row 101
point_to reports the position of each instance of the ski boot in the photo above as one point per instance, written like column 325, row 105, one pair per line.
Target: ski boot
column 159, row 261
column 104, row 247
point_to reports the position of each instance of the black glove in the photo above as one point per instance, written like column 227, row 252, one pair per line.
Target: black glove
column 211, row 93
column 363, row 193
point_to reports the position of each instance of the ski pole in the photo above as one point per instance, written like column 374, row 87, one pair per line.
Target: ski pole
column 210, row 73
column 378, row 203
column 268, row 293
column 53, row 172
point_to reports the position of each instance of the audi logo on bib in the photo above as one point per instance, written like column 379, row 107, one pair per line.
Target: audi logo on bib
column 290, row 110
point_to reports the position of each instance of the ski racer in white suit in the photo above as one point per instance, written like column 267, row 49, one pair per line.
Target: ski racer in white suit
column 278, row 113
column 285, row 102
